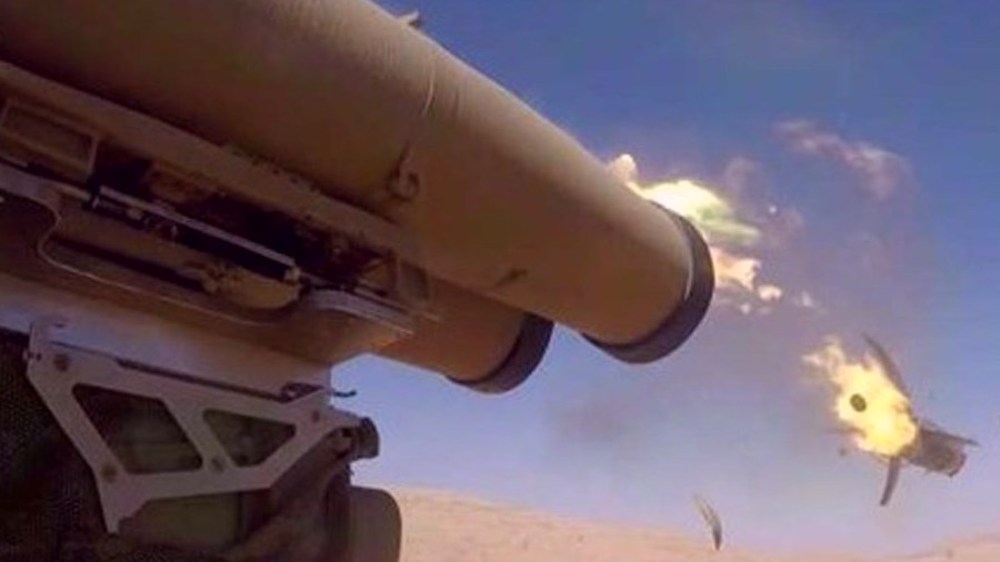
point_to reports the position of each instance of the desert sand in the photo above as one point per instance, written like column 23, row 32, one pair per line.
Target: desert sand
column 444, row 527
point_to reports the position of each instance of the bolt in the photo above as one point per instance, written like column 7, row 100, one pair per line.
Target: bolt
column 218, row 464
column 315, row 416
column 109, row 473
column 61, row 362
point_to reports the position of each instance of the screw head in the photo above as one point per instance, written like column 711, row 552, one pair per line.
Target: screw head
column 218, row 464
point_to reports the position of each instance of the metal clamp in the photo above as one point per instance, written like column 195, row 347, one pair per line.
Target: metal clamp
column 55, row 370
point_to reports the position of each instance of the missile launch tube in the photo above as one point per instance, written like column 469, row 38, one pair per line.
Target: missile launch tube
column 475, row 342
column 502, row 202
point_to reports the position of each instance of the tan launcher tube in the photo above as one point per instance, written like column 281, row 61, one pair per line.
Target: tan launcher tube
column 502, row 202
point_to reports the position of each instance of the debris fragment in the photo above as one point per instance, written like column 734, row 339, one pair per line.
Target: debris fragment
column 711, row 518
column 859, row 403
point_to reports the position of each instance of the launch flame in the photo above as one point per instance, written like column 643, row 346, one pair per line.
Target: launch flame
column 714, row 216
column 867, row 401
column 729, row 237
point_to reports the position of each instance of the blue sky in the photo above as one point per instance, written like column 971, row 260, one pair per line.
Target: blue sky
column 687, row 87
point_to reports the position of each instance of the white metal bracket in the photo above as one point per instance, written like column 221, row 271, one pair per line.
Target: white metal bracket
column 55, row 370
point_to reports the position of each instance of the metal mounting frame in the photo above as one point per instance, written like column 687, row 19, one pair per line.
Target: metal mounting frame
column 55, row 370
column 328, row 325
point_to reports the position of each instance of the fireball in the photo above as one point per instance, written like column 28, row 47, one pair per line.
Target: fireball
column 867, row 401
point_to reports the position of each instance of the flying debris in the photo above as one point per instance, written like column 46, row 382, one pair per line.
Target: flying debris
column 859, row 403
column 711, row 518
column 876, row 411
column 933, row 449
column 889, row 367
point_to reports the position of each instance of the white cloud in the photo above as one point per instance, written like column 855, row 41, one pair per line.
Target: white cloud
column 807, row 301
column 739, row 175
column 625, row 168
column 881, row 171
column 769, row 293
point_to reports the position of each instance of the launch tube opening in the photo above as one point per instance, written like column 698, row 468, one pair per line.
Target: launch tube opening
column 522, row 360
column 682, row 322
